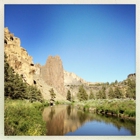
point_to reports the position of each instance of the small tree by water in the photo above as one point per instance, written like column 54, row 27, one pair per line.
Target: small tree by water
column 69, row 95
column 52, row 94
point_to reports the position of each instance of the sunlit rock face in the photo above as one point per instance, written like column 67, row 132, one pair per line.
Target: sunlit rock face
column 52, row 73
column 72, row 79
column 18, row 58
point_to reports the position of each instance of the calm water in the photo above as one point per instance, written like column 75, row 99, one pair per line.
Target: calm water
column 66, row 120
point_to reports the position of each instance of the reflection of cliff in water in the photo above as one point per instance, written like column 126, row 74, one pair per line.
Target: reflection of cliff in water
column 63, row 119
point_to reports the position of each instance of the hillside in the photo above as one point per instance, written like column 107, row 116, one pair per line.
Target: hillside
column 52, row 75
column 22, row 64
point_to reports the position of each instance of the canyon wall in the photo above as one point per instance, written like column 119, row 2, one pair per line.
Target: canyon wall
column 18, row 58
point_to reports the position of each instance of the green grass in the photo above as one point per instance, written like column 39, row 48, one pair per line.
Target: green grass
column 123, row 107
column 24, row 118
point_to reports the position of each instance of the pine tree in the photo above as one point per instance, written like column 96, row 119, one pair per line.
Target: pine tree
column 131, row 90
column 15, row 88
column 117, row 93
column 111, row 93
column 91, row 96
column 103, row 93
column 69, row 95
column 13, row 84
column 52, row 94
column 82, row 95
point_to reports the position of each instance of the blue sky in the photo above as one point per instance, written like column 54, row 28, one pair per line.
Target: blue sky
column 96, row 42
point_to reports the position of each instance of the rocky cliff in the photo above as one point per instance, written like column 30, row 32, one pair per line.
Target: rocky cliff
column 52, row 73
column 22, row 63
column 18, row 58
column 72, row 79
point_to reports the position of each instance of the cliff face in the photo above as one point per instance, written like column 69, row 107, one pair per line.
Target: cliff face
column 18, row 57
column 52, row 73
column 73, row 79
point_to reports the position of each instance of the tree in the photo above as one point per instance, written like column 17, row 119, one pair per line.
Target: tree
column 52, row 94
column 91, row 96
column 98, row 94
column 33, row 94
column 117, row 93
column 107, row 83
column 116, row 82
column 131, row 89
column 82, row 95
column 15, row 88
column 103, row 93
column 111, row 93
column 69, row 95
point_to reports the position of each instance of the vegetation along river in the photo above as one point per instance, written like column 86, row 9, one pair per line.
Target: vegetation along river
column 69, row 121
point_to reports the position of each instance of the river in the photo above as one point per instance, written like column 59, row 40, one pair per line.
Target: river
column 67, row 120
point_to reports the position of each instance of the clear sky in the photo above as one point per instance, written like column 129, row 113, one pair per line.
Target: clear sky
column 96, row 42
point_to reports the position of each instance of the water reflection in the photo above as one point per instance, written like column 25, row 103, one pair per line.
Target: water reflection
column 62, row 120
column 68, row 110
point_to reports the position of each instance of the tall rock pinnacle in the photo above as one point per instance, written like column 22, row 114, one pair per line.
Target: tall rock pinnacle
column 53, row 74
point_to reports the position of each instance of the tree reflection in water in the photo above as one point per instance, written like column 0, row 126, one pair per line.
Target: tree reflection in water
column 68, row 110
column 61, row 120
column 52, row 112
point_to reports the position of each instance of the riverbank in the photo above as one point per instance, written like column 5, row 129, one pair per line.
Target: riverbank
column 23, row 118
column 123, row 108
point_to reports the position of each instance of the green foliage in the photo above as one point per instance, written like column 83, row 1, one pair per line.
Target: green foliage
column 131, row 90
column 117, row 93
column 82, row 95
column 101, row 94
column 33, row 94
column 107, row 83
column 114, row 106
column 57, row 103
column 116, row 82
column 15, row 88
column 91, row 96
column 111, row 93
column 69, row 95
column 22, row 118
column 52, row 94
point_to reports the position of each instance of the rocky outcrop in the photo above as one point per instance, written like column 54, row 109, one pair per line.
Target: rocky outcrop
column 45, row 88
column 72, row 79
column 132, row 76
column 18, row 58
column 52, row 73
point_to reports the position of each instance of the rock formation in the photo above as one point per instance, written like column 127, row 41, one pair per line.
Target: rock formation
column 132, row 76
column 52, row 73
column 72, row 79
column 18, row 58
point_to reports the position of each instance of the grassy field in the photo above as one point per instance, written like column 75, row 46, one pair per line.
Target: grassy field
column 125, row 108
column 23, row 118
